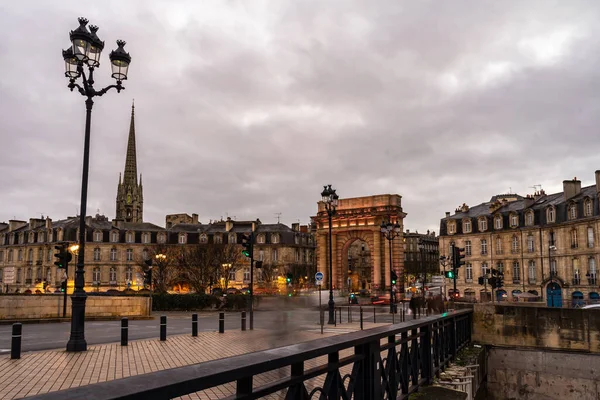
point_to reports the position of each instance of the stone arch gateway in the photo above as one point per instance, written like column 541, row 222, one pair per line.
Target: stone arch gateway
column 359, row 219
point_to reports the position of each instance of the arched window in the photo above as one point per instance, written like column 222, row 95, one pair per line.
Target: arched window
column 162, row 238
column 275, row 238
column 29, row 275
column 97, row 236
column 97, row 254
column 113, row 254
column 130, row 237
column 96, row 275
column 203, row 238
column 114, row 236
column 498, row 222
column 146, row 238
column 588, row 208
column 218, row 238
column 574, row 243
column 467, row 226
column 40, row 237
column 515, row 244
column 550, row 214
column 483, row 224
column 530, row 243
column 572, row 211
column 260, row 239
column 451, row 225
column 232, row 238
column 529, row 218
column 183, row 238
column 514, row 220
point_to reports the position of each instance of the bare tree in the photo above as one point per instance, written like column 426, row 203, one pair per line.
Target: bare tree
column 227, row 259
column 199, row 266
column 268, row 271
column 163, row 260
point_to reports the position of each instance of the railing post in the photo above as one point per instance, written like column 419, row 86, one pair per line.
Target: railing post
column 340, row 309
column 361, row 318
column 453, row 338
column 243, row 387
column 322, row 319
column 124, row 331
column 297, row 391
column 426, row 354
column 15, row 345
column 194, row 324
column 243, row 320
column 221, row 322
column 163, row 328
column 374, row 316
column 368, row 382
column 349, row 315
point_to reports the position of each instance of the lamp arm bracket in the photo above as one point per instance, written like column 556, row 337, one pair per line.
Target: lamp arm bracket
column 118, row 86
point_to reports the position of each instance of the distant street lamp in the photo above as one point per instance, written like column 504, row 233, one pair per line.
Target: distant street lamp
column 423, row 266
column 330, row 198
column 85, row 50
column 390, row 231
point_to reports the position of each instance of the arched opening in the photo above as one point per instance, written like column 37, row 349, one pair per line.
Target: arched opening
column 501, row 295
column 577, row 299
column 470, row 295
column 594, row 298
column 534, row 292
column 515, row 293
column 358, row 267
column 553, row 295
column 485, row 295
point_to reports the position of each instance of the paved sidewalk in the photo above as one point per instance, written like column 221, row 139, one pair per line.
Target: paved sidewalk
column 46, row 371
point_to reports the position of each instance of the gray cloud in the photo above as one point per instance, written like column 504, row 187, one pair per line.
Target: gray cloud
column 245, row 108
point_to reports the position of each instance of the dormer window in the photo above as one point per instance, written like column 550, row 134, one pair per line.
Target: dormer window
column 161, row 238
column 232, row 238
column 529, row 218
column 31, row 237
column 203, row 238
column 260, row 239
column 97, row 236
column 275, row 238
column 467, row 226
column 183, row 238
column 514, row 220
column 218, row 239
column 550, row 214
column 114, row 237
column 21, row 238
column 483, row 224
column 130, row 237
column 498, row 222
column 40, row 237
column 451, row 227
column 146, row 238
column 588, row 207
column 572, row 211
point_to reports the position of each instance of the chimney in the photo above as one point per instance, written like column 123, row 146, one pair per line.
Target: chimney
column 571, row 188
column 447, row 214
column 14, row 224
column 88, row 220
column 118, row 223
column 194, row 218
column 304, row 228
column 296, row 226
column 598, row 181
column 48, row 223
column 228, row 224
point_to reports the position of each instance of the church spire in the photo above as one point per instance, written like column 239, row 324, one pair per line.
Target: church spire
column 130, row 175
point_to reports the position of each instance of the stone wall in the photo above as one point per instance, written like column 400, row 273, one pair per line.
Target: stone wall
column 51, row 306
column 536, row 374
column 538, row 327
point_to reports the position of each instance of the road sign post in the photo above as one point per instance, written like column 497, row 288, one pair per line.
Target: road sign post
column 319, row 281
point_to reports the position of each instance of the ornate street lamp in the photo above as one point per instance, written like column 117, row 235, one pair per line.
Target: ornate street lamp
column 390, row 231
column 85, row 50
column 330, row 198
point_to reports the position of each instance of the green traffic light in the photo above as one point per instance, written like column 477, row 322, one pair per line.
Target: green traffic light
column 450, row 274
column 246, row 253
column 394, row 282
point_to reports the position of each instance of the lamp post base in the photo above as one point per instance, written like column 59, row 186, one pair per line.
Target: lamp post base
column 331, row 304
column 77, row 339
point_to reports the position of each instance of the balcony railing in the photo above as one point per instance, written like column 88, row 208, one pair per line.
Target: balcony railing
column 28, row 281
column 113, row 283
column 576, row 281
column 467, row 280
column 412, row 354
column 516, row 280
column 532, row 281
column 29, row 262
column 592, row 280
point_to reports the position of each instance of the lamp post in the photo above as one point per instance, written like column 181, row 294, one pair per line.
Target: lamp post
column 330, row 199
column 444, row 262
column 85, row 51
column 390, row 231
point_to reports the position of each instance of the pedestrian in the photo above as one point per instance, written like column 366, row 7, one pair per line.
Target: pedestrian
column 412, row 304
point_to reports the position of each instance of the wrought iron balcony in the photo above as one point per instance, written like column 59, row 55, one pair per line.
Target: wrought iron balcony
column 516, row 280
column 576, row 281
column 592, row 280
column 532, row 281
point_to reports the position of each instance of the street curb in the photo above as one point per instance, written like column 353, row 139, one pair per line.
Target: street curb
column 53, row 320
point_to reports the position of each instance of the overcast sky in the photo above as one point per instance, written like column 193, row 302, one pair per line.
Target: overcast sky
column 246, row 108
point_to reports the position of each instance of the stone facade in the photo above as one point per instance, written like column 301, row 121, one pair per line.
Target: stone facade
column 415, row 260
column 544, row 244
column 359, row 219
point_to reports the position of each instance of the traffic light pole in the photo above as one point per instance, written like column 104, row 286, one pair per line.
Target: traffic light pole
column 251, row 280
column 65, row 293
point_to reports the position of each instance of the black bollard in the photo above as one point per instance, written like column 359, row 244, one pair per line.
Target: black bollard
column 361, row 319
column 124, row 331
column 15, row 347
column 194, row 324
column 221, row 322
column 322, row 317
column 243, row 320
column 374, row 316
column 349, row 315
column 340, row 309
column 163, row 328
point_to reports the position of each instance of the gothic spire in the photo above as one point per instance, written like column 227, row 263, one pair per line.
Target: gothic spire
column 130, row 175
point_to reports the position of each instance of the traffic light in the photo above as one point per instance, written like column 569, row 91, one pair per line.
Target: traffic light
column 394, row 277
column 493, row 281
column 500, row 280
column 458, row 257
column 63, row 257
column 148, row 262
column 481, row 280
column 449, row 274
column 247, row 245
column 288, row 277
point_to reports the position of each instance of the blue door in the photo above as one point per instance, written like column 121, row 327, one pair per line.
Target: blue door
column 577, row 300
column 554, row 295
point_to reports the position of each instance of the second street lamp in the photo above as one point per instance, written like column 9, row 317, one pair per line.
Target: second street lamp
column 330, row 199
column 390, row 231
column 85, row 50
